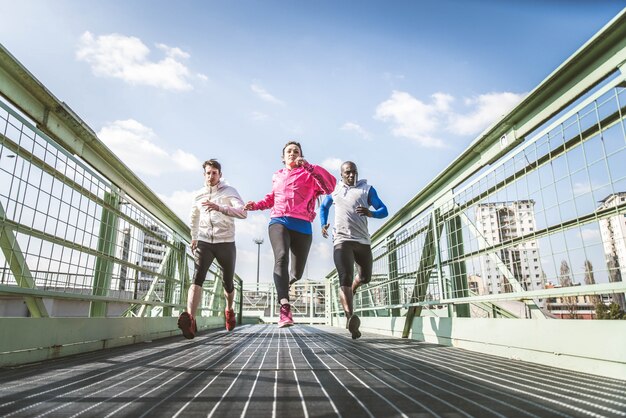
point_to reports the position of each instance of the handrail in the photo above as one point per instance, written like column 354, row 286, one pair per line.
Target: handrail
column 61, row 123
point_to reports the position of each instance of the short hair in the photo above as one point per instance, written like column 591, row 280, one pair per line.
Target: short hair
column 212, row 163
column 350, row 163
column 293, row 143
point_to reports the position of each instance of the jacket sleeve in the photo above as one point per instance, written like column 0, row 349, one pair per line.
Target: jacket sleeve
column 194, row 220
column 324, row 181
column 235, row 206
column 265, row 203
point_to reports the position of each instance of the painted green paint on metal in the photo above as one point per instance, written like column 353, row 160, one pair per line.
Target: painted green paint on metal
column 17, row 263
column 106, row 246
column 423, row 273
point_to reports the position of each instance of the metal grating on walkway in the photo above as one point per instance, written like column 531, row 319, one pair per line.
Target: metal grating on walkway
column 303, row 371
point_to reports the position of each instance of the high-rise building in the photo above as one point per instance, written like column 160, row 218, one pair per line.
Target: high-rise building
column 613, row 232
column 152, row 253
column 143, row 249
column 500, row 222
column 124, row 249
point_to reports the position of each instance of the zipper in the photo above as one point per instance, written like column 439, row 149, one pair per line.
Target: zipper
column 211, row 234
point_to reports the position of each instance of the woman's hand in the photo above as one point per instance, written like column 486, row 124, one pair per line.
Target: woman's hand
column 299, row 162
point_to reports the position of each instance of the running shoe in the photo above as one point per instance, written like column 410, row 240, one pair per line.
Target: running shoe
column 286, row 320
column 231, row 321
column 187, row 324
column 353, row 326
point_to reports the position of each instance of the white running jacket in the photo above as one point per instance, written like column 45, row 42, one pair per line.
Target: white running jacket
column 216, row 226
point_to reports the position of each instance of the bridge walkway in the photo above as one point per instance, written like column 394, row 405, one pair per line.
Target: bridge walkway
column 302, row 371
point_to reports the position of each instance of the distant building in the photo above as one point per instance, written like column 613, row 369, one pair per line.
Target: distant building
column 477, row 285
column 124, row 250
column 613, row 232
column 142, row 249
column 574, row 307
column 500, row 222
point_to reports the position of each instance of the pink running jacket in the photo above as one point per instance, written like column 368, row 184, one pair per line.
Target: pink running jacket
column 294, row 191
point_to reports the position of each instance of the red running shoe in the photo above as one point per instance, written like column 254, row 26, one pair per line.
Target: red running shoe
column 187, row 324
column 231, row 321
column 285, row 320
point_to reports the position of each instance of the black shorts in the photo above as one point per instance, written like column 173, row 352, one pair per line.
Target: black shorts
column 225, row 253
column 345, row 254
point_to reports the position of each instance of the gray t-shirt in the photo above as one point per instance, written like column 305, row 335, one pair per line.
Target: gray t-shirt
column 349, row 225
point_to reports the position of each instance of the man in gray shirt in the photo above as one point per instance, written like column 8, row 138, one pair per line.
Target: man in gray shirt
column 352, row 199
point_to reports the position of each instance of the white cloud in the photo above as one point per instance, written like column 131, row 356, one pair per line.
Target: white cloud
column 428, row 123
column 486, row 109
column 590, row 235
column 355, row 127
column 185, row 160
column 320, row 261
column 323, row 250
column 333, row 165
column 179, row 202
column 414, row 119
column 264, row 94
column 581, row 188
column 254, row 226
column 126, row 58
column 173, row 52
column 132, row 143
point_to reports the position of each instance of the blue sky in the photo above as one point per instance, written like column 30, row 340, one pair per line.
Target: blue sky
column 399, row 87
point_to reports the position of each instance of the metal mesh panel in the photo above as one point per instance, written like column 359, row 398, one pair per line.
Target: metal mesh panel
column 540, row 228
column 77, row 233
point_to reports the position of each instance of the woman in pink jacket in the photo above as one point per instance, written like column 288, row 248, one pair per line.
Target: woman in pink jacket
column 295, row 189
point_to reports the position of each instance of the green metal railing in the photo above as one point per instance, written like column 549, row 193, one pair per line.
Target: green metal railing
column 530, row 220
column 81, row 236
column 527, row 223
column 68, row 226
column 307, row 298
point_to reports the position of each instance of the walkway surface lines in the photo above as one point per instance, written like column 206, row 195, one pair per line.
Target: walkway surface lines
column 302, row 371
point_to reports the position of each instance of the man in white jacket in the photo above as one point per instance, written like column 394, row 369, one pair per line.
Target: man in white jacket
column 212, row 224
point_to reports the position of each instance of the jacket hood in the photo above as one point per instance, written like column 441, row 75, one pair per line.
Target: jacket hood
column 220, row 185
column 359, row 182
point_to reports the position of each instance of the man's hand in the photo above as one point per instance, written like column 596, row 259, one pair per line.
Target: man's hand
column 250, row 205
column 208, row 206
column 194, row 244
column 363, row 211
column 325, row 230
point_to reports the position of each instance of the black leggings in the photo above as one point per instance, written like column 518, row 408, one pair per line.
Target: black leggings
column 283, row 241
column 345, row 254
column 225, row 253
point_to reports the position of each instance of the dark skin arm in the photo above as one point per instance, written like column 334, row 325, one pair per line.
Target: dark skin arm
column 363, row 211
